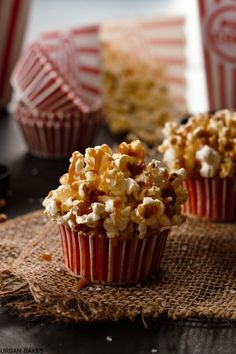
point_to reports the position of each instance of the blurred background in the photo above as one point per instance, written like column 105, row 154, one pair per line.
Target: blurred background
column 49, row 136
column 62, row 14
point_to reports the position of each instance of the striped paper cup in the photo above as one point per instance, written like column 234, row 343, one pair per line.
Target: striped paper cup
column 39, row 83
column 211, row 198
column 100, row 259
column 218, row 21
column 57, row 135
column 13, row 20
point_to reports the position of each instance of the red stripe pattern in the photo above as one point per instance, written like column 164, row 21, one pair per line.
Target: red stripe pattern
column 85, row 44
column 211, row 198
column 99, row 259
column 57, row 135
column 13, row 20
column 165, row 39
column 77, row 55
column 39, row 84
column 219, row 51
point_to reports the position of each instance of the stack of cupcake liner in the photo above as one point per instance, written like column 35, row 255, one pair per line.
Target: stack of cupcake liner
column 54, row 113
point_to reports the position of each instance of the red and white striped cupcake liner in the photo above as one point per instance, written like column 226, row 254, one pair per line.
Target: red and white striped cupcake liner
column 39, row 83
column 50, row 135
column 211, row 198
column 99, row 259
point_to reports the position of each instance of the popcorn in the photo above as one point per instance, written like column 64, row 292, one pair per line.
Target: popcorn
column 149, row 211
column 210, row 161
column 136, row 91
column 205, row 145
column 117, row 194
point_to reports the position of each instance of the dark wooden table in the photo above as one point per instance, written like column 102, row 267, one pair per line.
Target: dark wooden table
column 31, row 178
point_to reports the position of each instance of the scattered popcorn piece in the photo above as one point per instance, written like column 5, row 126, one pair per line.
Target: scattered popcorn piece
column 154, row 350
column 45, row 256
column 82, row 283
column 3, row 218
column 108, row 339
column 2, row 203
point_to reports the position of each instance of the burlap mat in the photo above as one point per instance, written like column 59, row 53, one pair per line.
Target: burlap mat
column 198, row 276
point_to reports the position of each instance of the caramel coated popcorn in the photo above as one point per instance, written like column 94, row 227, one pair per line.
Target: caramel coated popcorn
column 205, row 146
column 117, row 194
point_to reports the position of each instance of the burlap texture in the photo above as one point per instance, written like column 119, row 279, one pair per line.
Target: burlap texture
column 198, row 276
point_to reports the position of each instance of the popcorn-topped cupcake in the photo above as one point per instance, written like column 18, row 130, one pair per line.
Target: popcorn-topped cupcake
column 117, row 194
column 204, row 146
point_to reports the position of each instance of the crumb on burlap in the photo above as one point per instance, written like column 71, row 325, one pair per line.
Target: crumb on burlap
column 45, row 256
column 3, row 218
column 82, row 283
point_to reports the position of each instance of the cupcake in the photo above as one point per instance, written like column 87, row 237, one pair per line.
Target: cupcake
column 206, row 147
column 115, row 212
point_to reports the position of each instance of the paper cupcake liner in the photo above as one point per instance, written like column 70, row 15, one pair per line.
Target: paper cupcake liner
column 99, row 259
column 55, row 138
column 211, row 198
column 39, row 83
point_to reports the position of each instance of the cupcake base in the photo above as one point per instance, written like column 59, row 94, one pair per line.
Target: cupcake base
column 211, row 198
column 100, row 259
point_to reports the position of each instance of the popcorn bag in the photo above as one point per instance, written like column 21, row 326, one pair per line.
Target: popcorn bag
column 13, row 20
column 65, row 115
column 218, row 22
column 143, row 75
column 101, row 259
